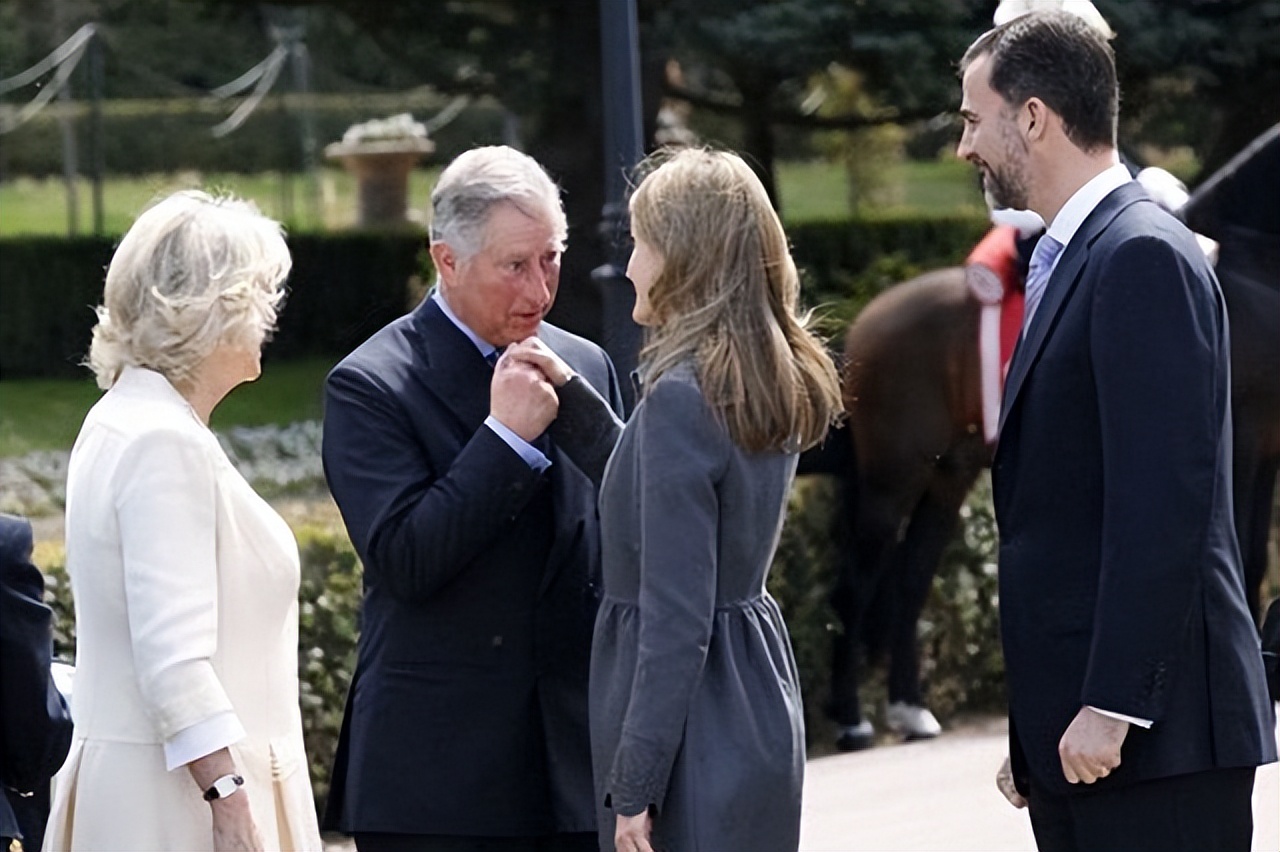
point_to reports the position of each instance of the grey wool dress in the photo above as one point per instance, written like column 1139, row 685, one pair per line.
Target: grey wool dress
column 694, row 699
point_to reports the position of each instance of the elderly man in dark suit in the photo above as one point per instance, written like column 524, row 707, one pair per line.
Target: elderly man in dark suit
column 466, row 724
column 1138, row 711
column 35, row 727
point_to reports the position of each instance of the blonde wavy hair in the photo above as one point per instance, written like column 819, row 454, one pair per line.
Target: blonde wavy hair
column 194, row 271
column 727, row 297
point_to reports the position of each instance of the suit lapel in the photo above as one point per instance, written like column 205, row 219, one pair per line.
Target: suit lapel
column 1063, row 283
column 456, row 371
column 454, row 367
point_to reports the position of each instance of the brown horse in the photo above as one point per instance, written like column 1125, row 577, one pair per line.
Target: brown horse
column 1237, row 207
column 914, row 442
column 910, row 452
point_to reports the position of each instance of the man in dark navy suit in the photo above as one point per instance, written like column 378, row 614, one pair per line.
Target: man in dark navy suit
column 35, row 727
column 1138, row 710
column 466, row 723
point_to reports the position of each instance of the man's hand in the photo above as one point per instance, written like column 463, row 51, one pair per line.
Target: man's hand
column 1004, row 782
column 1090, row 748
column 534, row 351
column 633, row 832
column 521, row 398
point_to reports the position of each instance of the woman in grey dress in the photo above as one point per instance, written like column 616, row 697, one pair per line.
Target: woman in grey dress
column 696, row 723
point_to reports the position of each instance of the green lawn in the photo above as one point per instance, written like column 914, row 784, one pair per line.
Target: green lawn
column 30, row 206
column 40, row 414
column 809, row 190
column 817, row 190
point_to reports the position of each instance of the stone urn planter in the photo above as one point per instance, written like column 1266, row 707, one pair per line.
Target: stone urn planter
column 381, row 154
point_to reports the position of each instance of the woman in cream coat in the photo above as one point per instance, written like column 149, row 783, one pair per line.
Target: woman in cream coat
column 188, row 733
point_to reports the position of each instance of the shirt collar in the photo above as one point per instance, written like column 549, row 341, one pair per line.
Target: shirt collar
column 485, row 347
column 1086, row 198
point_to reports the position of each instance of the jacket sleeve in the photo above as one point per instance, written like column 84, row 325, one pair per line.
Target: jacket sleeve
column 683, row 453
column 585, row 427
column 166, row 507
column 415, row 526
column 1157, row 343
column 35, row 728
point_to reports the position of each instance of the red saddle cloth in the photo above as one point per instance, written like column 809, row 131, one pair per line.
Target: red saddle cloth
column 998, row 252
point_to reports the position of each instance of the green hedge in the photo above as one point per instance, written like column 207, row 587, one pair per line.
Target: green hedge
column 961, row 663
column 845, row 262
column 342, row 289
column 345, row 286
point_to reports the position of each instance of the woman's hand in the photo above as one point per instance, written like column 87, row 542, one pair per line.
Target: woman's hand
column 233, row 827
column 533, row 351
column 632, row 833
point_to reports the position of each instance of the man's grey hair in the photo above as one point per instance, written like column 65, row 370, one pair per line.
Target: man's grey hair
column 475, row 181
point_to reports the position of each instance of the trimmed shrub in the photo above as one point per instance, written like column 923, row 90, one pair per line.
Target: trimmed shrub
column 343, row 288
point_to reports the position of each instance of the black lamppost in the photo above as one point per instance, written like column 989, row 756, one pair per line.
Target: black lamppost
column 623, row 149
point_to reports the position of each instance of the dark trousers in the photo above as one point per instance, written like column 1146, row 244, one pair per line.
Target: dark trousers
column 1203, row 810
column 381, row 842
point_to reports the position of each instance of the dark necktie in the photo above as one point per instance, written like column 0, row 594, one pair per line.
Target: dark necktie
column 493, row 356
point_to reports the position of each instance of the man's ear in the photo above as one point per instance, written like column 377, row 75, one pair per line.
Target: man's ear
column 1036, row 115
column 445, row 260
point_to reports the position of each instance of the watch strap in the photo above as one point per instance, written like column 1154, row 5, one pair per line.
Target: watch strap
column 223, row 787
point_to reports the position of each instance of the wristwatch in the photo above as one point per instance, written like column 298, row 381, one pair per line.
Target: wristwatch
column 223, row 787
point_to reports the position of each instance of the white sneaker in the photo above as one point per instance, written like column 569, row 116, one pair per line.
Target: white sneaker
column 912, row 722
column 856, row 737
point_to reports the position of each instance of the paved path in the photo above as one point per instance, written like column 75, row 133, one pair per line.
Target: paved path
column 941, row 795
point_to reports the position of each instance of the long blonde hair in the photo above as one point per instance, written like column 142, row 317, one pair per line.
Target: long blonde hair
column 727, row 296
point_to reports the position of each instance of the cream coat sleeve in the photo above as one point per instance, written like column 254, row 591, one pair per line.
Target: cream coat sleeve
column 167, row 512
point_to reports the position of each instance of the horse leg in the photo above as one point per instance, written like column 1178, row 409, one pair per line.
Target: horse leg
column 1255, row 491
column 877, row 527
column 932, row 526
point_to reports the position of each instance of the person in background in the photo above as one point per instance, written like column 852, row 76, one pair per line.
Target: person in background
column 1138, row 709
column 188, row 727
column 35, row 727
column 466, row 723
column 697, row 727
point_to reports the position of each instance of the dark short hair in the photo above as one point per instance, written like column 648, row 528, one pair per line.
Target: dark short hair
column 1062, row 60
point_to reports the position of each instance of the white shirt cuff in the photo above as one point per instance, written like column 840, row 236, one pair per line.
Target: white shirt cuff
column 532, row 455
column 202, row 738
column 1132, row 720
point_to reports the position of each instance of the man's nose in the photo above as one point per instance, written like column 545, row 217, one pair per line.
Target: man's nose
column 964, row 148
column 538, row 283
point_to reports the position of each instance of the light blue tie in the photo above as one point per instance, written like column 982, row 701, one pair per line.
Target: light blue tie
column 1046, row 252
